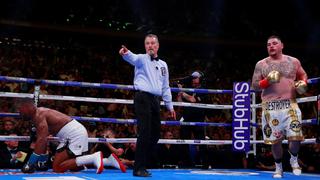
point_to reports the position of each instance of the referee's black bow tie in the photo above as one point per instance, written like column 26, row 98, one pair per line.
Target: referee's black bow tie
column 154, row 58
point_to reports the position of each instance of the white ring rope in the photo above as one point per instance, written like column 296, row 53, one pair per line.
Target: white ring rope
column 107, row 100
column 125, row 101
column 133, row 140
column 161, row 141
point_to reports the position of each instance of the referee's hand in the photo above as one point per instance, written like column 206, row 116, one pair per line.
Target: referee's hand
column 172, row 114
column 123, row 50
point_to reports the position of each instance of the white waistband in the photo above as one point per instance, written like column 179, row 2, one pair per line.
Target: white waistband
column 278, row 104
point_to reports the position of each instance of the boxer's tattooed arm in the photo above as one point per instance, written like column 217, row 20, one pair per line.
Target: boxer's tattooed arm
column 256, row 77
column 301, row 73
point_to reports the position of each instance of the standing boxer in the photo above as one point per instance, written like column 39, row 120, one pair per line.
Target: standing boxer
column 280, row 76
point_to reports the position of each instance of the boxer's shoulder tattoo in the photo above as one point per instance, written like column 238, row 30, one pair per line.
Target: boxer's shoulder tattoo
column 286, row 68
column 256, row 74
column 257, row 68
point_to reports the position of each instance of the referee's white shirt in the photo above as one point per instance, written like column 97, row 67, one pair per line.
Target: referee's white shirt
column 151, row 76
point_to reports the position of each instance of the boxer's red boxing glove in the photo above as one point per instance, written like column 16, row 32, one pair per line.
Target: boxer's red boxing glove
column 273, row 77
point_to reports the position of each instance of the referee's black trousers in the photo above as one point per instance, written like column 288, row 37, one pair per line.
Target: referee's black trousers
column 147, row 109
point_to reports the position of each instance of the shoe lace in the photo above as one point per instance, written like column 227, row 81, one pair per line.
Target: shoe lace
column 294, row 162
column 278, row 169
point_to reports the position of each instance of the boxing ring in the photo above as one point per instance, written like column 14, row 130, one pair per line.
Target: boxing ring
column 162, row 174
column 156, row 173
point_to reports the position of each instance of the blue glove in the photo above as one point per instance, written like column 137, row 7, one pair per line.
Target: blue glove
column 42, row 162
column 34, row 158
column 30, row 166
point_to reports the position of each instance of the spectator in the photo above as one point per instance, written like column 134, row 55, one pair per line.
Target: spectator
column 12, row 155
column 168, row 154
column 8, row 125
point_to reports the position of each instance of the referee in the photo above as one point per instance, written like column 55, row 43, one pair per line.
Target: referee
column 151, row 80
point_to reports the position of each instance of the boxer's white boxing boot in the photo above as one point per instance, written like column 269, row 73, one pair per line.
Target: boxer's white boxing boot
column 296, row 170
column 279, row 171
column 96, row 159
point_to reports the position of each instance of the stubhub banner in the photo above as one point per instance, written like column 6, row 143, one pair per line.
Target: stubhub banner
column 241, row 117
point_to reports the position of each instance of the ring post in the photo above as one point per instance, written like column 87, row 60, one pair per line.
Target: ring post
column 254, row 120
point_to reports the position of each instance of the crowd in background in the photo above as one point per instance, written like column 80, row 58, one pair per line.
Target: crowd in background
column 76, row 41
